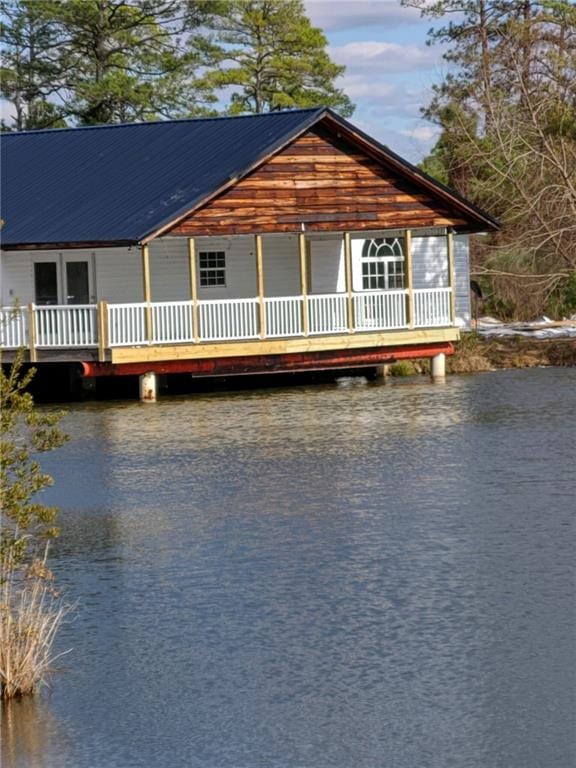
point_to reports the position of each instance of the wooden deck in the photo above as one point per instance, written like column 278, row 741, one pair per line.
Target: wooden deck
column 194, row 330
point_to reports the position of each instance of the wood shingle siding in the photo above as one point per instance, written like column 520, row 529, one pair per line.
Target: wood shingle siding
column 325, row 183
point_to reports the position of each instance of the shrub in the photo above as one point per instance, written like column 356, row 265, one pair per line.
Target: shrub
column 30, row 609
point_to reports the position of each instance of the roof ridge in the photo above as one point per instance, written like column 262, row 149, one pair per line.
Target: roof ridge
column 148, row 123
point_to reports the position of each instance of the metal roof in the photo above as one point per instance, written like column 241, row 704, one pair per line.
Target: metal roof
column 119, row 183
column 125, row 183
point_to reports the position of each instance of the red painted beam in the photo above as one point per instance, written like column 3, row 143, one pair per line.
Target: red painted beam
column 292, row 362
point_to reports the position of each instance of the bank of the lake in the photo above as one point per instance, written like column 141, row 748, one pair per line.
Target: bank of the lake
column 356, row 574
column 476, row 353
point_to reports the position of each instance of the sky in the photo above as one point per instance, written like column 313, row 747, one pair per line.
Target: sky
column 389, row 68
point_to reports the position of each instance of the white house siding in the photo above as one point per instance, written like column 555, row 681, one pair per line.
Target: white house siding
column 16, row 278
column 117, row 272
column 281, row 265
column 462, row 279
column 327, row 271
column 430, row 262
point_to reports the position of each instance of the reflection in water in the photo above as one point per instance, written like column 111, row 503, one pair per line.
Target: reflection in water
column 321, row 577
column 29, row 731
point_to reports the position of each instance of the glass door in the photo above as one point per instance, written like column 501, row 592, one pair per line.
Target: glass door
column 77, row 281
column 46, row 282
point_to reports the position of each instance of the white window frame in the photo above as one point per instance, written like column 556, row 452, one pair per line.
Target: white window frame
column 206, row 271
column 380, row 259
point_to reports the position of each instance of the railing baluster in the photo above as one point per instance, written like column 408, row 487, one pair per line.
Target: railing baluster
column 222, row 320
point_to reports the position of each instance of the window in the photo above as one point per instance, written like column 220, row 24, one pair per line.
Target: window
column 212, row 266
column 46, row 282
column 382, row 264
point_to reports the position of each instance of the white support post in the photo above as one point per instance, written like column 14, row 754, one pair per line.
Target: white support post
column 382, row 371
column 438, row 367
column 148, row 387
column 451, row 275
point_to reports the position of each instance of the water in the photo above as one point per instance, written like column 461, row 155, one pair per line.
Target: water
column 323, row 577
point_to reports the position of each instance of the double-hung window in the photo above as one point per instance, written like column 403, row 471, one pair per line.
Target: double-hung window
column 212, row 268
column 383, row 264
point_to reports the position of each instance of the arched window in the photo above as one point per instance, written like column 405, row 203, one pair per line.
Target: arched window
column 383, row 264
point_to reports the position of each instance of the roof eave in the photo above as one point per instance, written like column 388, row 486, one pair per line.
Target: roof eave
column 404, row 167
column 54, row 246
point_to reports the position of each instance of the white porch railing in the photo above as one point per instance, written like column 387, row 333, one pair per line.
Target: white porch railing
column 380, row 310
column 13, row 327
column 284, row 316
column 432, row 307
column 231, row 319
column 66, row 326
column 327, row 313
column 172, row 322
column 126, row 325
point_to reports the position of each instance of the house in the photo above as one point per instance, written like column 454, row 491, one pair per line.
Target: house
column 221, row 246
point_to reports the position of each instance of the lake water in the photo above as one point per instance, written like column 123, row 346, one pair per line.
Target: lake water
column 351, row 576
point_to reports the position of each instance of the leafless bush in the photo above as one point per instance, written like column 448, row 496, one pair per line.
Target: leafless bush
column 31, row 612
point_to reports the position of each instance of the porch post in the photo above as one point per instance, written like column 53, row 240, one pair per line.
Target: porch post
column 102, row 330
column 147, row 291
column 32, row 333
column 409, row 276
column 451, row 277
column 193, row 287
column 260, row 285
column 303, row 281
column 348, row 275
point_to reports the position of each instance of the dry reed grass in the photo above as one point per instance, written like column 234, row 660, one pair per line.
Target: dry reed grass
column 471, row 355
column 31, row 612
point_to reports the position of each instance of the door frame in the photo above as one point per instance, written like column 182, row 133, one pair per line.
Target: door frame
column 61, row 259
column 89, row 260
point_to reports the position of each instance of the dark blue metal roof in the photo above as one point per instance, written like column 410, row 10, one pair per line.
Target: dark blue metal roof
column 120, row 183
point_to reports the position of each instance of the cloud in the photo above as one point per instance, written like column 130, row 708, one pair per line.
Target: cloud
column 390, row 57
column 380, row 98
column 423, row 133
column 332, row 15
column 359, row 87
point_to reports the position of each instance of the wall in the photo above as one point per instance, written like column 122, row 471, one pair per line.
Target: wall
column 462, row 277
column 117, row 272
column 321, row 179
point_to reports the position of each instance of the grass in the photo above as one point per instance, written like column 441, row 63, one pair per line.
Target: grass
column 471, row 355
column 31, row 613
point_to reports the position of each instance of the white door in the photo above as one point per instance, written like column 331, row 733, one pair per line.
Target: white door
column 64, row 279
column 77, row 280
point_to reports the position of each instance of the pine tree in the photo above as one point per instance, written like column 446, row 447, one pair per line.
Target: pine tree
column 272, row 57
column 30, row 71
column 103, row 61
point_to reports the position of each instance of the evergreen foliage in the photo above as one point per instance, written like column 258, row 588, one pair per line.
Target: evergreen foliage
column 89, row 62
column 271, row 56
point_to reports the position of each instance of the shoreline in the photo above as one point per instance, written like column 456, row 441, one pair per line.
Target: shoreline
column 474, row 353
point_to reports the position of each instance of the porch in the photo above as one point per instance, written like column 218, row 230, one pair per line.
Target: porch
column 107, row 327
column 379, row 296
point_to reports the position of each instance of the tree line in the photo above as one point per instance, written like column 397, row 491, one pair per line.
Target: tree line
column 87, row 62
column 506, row 111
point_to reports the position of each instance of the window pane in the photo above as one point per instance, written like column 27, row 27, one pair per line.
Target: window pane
column 46, row 282
column 212, row 268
